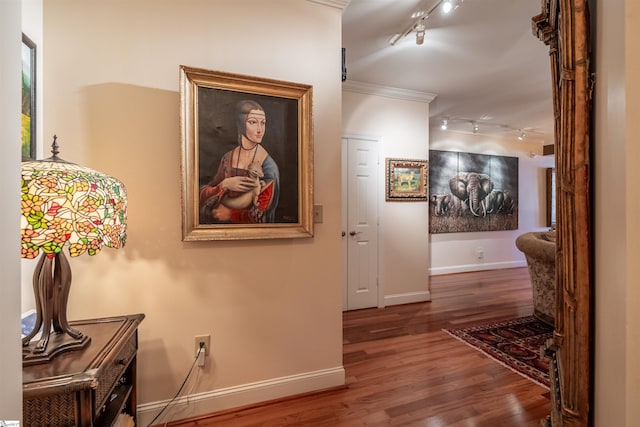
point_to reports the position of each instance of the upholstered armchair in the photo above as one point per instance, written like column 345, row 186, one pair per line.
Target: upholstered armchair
column 539, row 249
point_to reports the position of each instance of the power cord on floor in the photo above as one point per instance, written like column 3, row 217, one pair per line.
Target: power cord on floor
column 195, row 360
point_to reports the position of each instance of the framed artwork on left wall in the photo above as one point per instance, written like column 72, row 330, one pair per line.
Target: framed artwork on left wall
column 28, row 98
column 247, row 157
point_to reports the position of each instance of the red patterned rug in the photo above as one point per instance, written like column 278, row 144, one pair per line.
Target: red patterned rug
column 513, row 343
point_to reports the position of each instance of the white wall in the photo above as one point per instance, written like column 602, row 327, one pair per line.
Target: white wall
column 32, row 27
column 272, row 309
column 401, row 120
column 617, row 271
column 10, row 353
column 456, row 252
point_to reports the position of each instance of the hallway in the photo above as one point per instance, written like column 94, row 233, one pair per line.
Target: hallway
column 403, row 370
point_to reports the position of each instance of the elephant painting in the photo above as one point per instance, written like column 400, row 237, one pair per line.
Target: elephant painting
column 470, row 192
column 472, row 188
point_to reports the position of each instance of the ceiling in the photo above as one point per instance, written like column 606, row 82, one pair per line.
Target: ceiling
column 481, row 60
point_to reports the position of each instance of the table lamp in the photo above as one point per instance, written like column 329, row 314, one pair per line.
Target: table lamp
column 64, row 204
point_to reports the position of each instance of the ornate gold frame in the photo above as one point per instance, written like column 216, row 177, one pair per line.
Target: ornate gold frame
column 395, row 191
column 564, row 26
column 201, row 125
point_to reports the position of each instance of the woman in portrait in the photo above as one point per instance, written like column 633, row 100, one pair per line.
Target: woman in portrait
column 246, row 185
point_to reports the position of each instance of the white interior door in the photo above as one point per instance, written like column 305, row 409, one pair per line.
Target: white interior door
column 360, row 222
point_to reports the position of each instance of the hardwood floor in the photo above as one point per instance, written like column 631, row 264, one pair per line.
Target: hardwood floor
column 403, row 370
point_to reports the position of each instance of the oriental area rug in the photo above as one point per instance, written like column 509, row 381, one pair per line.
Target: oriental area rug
column 513, row 343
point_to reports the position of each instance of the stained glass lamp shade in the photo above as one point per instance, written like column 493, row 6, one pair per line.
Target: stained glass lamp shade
column 64, row 204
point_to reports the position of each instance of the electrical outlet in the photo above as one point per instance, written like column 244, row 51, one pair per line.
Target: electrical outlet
column 206, row 339
column 480, row 252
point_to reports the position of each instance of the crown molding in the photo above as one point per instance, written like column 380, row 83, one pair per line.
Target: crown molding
column 389, row 92
column 340, row 4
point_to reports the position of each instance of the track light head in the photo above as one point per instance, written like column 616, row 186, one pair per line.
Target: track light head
column 445, row 124
column 475, row 128
column 420, row 16
column 450, row 5
column 521, row 135
column 420, row 30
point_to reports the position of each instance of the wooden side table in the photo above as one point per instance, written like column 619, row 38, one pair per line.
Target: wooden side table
column 88, row 387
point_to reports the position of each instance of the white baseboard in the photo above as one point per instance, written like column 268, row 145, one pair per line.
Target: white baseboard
column 476, row 267
column 407, row 298
column 242, row 395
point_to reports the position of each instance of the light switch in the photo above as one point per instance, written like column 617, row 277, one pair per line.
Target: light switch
column 317, row 214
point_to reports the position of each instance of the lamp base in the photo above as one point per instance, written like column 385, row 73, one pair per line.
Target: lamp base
column 51, row 284
column 58, row 343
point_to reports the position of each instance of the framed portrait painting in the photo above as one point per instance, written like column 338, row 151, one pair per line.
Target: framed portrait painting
column 406, row 180
column 28, row 98
column 247, row 157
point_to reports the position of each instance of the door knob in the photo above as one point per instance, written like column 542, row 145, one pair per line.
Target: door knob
column 353, row 233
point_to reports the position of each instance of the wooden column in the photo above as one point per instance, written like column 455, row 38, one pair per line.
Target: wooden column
column 564, row 26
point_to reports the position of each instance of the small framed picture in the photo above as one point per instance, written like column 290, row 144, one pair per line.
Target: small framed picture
column 247, row 157
column 28, row 98
column 406, row 180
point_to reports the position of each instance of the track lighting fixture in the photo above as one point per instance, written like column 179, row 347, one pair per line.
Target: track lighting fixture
column 459, row 124
column 420, row 30
column 419, row 17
